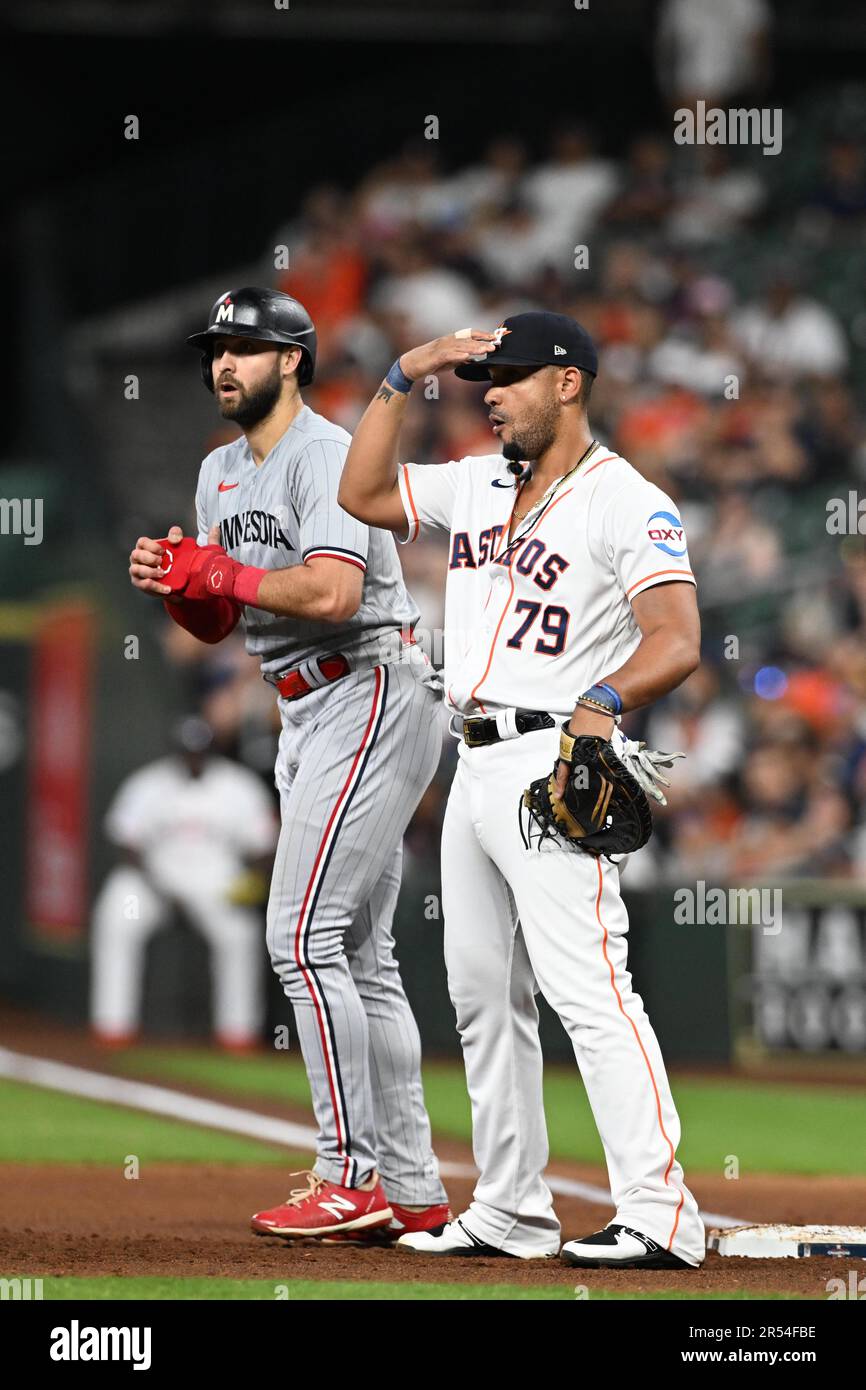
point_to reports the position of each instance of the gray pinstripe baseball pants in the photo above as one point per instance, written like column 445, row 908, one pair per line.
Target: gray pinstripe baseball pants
column 355, row 758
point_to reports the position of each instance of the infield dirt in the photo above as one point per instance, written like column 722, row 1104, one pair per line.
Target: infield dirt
column 180, row 1220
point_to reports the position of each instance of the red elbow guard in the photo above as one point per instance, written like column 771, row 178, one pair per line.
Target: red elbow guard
column 210, row 619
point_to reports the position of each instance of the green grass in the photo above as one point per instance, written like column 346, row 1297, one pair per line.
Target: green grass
column 310, row 1290
column 42, row 1126
column 277, row 1077
column 770, row 1127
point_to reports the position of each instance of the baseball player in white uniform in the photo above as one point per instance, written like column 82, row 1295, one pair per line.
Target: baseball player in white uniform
column 324, row 607
column 569, row 598
column 192, row 827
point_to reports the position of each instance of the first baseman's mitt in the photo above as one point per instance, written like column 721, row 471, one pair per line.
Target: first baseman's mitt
column 604, row 807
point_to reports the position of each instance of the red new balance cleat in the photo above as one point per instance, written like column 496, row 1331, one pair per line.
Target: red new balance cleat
column 322, row 1207
column 402, row 1223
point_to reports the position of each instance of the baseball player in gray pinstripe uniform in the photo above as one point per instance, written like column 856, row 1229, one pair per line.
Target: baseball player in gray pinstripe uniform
column 324, row 607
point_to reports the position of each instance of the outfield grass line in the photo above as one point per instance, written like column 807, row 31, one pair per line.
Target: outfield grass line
column 42, row 1126
column 157, row 1100
column 216, row 1114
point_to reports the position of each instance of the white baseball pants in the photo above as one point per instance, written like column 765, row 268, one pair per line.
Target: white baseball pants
column 520, row 918
column 129, row 910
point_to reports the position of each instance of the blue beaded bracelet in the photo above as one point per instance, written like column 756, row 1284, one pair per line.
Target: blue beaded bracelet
column 398, row 380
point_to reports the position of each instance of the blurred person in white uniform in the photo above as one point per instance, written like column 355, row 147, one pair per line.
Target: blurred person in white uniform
column 197, row 833
column 717, row 51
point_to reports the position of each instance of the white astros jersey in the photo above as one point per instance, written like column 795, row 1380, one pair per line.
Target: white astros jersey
column 285, row 512
column 532, row 624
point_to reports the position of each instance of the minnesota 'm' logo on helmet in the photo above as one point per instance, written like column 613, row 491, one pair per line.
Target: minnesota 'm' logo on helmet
column 266, row 315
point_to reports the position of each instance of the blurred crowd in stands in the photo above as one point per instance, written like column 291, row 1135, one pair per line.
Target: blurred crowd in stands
column 718, row 285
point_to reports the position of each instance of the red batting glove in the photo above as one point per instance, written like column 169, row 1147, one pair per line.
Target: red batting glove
column 209, row 622
column 212, row 573
column 207, row 571
column 176, row 558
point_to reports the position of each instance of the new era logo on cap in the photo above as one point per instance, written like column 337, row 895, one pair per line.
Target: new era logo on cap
column 560, row 352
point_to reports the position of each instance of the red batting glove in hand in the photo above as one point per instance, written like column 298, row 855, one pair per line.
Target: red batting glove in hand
column 176, row 560
column 206, row 571
column 209, row 621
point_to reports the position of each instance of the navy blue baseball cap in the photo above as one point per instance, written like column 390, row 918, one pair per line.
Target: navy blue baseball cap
column 536, row 339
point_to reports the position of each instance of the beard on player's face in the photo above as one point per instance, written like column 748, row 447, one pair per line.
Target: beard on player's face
column 252, row 404
column 533, row 434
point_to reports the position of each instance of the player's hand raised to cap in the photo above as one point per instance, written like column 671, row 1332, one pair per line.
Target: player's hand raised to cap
column 466, row 345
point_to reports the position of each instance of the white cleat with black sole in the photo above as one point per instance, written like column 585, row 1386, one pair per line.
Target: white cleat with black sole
column 619, row 1247
column 457, row 1239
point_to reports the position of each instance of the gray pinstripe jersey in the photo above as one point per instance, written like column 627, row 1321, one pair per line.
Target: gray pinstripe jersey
column 283, row 513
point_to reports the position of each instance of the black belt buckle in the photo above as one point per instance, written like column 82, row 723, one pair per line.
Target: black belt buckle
column 475, row 733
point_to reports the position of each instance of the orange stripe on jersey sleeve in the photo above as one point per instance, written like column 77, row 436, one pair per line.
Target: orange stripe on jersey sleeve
column 414, row 520
column 656, row 574
column 598, row 464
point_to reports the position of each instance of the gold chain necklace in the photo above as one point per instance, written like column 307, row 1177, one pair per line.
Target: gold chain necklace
column 521, row 516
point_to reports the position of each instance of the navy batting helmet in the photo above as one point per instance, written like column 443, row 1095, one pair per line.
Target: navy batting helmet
column 267, row 315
